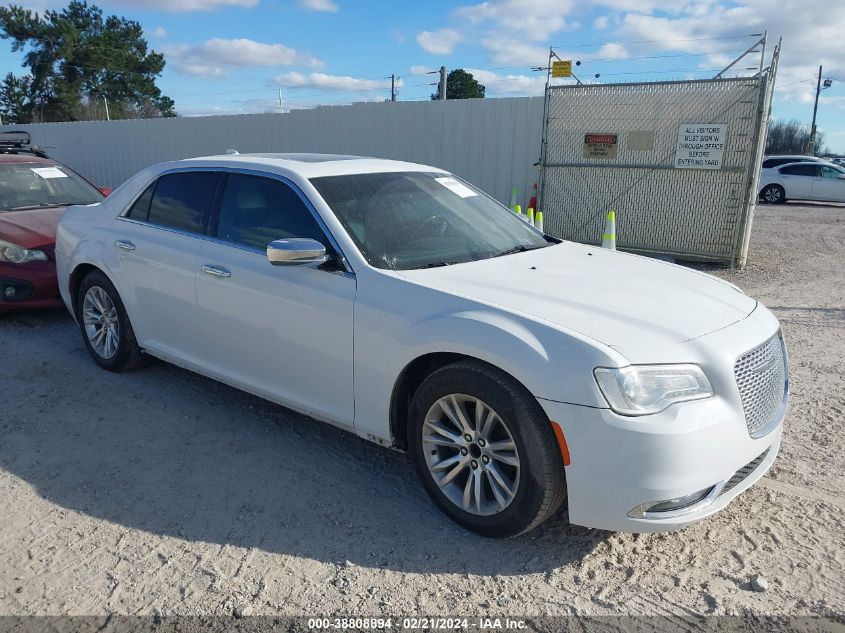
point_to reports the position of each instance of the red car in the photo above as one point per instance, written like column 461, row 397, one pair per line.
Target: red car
column 34, row 192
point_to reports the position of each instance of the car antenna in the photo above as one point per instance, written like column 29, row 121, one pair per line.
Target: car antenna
column 232, row 152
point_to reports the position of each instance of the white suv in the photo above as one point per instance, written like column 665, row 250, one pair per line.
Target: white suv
column 399, row 302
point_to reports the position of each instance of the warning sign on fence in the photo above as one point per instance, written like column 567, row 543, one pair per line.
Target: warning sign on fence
column 701, row 145
column 600, row 145
column 562, row 68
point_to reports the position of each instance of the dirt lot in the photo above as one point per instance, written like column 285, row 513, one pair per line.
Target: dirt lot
column 161, row 491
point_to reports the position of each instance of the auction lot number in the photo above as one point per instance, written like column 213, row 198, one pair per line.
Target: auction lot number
column 414, row 624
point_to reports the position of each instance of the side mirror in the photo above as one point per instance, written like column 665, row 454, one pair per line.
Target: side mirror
column 106, row 191
column 296, row 250
column 841, row 176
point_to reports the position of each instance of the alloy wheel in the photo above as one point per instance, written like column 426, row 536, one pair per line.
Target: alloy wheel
column 471, row 454
column 772, row 195
column 99, row 317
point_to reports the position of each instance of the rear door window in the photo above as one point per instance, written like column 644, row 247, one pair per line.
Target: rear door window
column 183, row 200
column 807, row 169
column 141, row 208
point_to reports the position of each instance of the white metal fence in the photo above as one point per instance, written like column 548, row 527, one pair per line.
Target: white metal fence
column 678, row 162
column 496, row 144
column 492, row 143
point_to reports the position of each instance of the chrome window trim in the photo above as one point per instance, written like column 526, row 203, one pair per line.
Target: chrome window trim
column 211, row 238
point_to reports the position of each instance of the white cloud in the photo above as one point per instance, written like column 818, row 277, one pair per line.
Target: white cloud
column 182, row 5
column 420, row 70
column 534, row 20
column 159, row 32
column 509, row 84
column 511, row 30
column 440, row 42
column 203, row 71
column 650, row 6
column 515, row 52
column 210, row 59
column 601, row 22
column 611, row 50
column 335, row 83
column 318, row 5
column 808, row 40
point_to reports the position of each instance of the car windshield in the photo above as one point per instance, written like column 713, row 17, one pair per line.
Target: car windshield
column 405, row 220
column 38, row 185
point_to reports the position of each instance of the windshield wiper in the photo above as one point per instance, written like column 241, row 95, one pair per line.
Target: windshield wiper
column 436, row 265
column 520, row 249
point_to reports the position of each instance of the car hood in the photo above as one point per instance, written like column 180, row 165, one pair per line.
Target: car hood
column 31, row 228
column 614, row 298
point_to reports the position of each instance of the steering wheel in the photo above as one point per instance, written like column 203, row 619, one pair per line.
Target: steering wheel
column 438, row 225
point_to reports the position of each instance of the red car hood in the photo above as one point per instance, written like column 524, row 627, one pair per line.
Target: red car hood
column 33, row 228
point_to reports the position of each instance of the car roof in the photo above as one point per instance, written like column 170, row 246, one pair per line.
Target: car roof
column 308, row 165
column 798, row 157
column 816, row 163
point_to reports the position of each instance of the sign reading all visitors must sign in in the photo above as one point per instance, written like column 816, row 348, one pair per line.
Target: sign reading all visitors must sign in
column 600, row 145
column 701, row 145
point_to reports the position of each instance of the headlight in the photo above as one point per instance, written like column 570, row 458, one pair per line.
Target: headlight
column 15, row 254
column 645, row 389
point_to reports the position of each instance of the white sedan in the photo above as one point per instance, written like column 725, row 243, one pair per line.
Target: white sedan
column 819, row 180
column 400, row 303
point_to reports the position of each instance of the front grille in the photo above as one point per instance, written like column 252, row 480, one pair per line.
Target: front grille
column 743, row 472
column 761, row 376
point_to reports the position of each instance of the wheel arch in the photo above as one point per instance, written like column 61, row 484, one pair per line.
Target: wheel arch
column 410, row 379
column 531, row 354
column 80, row 272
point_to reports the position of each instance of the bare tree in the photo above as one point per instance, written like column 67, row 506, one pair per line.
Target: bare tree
column 790, row 137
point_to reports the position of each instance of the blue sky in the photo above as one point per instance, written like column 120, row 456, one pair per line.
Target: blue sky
column 232, row 56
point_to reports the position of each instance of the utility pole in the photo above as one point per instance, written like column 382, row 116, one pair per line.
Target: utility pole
column 393, row 87
column 108, row 118
column 811, row 149
column 443, row 83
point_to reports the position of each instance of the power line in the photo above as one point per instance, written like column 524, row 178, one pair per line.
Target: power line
column 691, row 39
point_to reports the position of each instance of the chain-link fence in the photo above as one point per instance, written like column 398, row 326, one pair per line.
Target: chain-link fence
column 677, row 161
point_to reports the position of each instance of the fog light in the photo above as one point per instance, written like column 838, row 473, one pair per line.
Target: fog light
column 670, row 507
column 10, row 292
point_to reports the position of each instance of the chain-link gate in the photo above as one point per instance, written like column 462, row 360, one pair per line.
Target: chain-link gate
column 616, row 147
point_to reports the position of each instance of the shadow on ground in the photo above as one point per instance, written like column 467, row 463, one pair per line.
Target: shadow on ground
column 175, row 454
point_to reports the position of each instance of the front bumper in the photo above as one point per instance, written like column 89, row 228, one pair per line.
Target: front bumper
column 34, row 284
column 615, row 468
column 620, row 466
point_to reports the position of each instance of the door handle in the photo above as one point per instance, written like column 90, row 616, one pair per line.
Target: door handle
column 216, row 271
column 125, row 245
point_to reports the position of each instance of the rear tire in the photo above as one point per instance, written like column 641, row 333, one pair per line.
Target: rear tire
column 484, row 450
column 773, row 194
column 105, row 326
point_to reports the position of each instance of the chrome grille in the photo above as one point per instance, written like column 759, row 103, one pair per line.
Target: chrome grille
column 743, row 472
column 761, row 376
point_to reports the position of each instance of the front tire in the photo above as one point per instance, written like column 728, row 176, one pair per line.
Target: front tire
column 484, row 450
column 105, row 326
column 773, row 194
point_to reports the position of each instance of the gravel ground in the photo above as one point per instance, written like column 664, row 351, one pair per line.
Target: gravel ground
column 164, row 492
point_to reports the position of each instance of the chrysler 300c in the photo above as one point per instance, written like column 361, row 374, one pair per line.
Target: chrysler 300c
column 399, row 302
